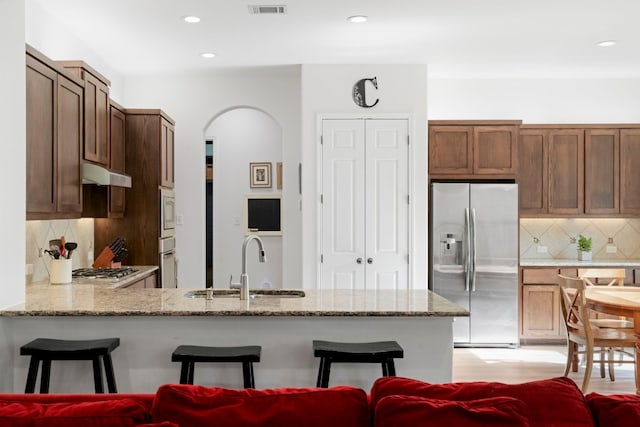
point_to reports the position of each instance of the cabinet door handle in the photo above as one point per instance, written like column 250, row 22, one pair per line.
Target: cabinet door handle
column 359, row 261
column 369, row 260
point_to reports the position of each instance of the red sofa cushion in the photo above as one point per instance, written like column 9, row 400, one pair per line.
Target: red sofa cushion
column 162, row 424
column 402, row 411
column 615, row 410
column 557, row 401
column 192, row 405
column 94, row 413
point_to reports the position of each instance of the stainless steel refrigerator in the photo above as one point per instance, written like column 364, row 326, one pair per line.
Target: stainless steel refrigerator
column 474, row 259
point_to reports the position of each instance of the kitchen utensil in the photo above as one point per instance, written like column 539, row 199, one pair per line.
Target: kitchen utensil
column 70, row 247
column 50, row 253
column 55, row 244
column 120, row 255
column 55, row 254
column 62, row 248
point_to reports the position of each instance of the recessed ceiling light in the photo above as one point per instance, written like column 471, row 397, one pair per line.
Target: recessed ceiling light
column 208, row 55
column 606, row 43
column 357, row 19
column 191, row 19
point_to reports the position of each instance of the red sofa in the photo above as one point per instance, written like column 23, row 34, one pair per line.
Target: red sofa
column 392, row 402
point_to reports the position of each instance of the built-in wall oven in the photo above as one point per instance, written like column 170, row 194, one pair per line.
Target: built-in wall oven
column 167, row 241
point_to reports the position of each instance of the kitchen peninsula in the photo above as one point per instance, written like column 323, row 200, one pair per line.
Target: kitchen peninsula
column 152, row 322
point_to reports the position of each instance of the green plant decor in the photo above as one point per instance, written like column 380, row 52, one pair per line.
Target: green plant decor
column 584, row 243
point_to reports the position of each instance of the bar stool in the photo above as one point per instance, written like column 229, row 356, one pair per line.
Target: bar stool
column 190, row 354
column 45, row 350
column 382, row 352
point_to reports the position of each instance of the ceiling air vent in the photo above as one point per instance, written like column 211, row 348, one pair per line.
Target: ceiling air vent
column 267, row 9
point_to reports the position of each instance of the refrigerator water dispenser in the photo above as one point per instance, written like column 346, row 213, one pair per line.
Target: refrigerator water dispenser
column 450, row 249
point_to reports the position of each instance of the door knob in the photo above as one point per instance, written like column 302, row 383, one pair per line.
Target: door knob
column 359, row 261
column 369, row 260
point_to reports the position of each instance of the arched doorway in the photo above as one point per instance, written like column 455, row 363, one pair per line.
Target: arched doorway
column 235, row 138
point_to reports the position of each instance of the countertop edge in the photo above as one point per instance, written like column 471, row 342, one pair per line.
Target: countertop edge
column 58, row 313
column 578, row 264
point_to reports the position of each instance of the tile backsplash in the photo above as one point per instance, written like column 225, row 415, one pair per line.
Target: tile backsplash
column 38, row 234
column 613, row 238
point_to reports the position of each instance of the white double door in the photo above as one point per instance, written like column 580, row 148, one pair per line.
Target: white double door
column 365, row 204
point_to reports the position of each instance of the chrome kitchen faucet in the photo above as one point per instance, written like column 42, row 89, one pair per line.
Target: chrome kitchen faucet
column 244, row 277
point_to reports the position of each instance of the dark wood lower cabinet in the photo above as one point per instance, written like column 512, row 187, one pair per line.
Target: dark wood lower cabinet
column 541, row 314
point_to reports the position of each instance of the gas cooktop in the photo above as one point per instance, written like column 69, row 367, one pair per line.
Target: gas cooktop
column 103, row 273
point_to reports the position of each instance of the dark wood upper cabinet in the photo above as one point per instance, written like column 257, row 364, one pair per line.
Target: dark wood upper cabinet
column 551, row 172
column 630, row 171
column 566, row 171
column 450, row 150
column 117, row 125
column 602, row 171
column 533, row 172
column 96, row 111
column 495, row 150
column 54, row 104
column 469, row 148
column 109, row 201
column 69, row 146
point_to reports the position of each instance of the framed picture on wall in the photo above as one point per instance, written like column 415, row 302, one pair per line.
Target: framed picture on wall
column 260, row 175
column 279, row 175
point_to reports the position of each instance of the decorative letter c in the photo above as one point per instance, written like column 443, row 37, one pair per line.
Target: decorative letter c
column 358, row 92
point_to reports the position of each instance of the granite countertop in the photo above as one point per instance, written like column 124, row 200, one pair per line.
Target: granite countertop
column 628, row 263
column 102, row 299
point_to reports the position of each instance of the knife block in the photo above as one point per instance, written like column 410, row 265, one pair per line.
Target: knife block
column 104, row 259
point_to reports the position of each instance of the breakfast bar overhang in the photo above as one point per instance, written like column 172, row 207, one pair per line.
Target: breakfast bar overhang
column 151, row 323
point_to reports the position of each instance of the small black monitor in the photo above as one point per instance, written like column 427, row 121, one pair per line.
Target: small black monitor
column 262, row 215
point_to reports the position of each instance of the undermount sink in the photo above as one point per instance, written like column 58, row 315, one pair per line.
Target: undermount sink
column 253, row 293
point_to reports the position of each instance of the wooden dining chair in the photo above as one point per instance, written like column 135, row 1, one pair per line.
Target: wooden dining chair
column 581, row 331
column 602, row 276
column 607, row 277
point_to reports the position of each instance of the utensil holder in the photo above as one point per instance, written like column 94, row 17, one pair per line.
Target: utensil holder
column 60, row 271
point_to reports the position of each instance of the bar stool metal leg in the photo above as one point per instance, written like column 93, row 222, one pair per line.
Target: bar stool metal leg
column 32, row 376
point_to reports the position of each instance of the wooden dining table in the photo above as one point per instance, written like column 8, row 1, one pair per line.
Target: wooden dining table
column 619, row 301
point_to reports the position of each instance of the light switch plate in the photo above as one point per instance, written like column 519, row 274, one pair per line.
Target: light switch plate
column 542, row 249
column 612, row 249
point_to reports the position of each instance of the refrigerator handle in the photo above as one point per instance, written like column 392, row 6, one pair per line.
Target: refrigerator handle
column 473, row 250
column 467, row 254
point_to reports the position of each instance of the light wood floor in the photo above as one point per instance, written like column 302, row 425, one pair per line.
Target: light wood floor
column 529, row 363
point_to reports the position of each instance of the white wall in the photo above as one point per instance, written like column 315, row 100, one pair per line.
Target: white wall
column 193, row 101
column 326, row 89
column 12, row 170
column 242, row 136
column 51, row 37
column 536, row 100
column 12, row 161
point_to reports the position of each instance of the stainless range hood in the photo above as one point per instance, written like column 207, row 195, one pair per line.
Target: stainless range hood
column 95, row 174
